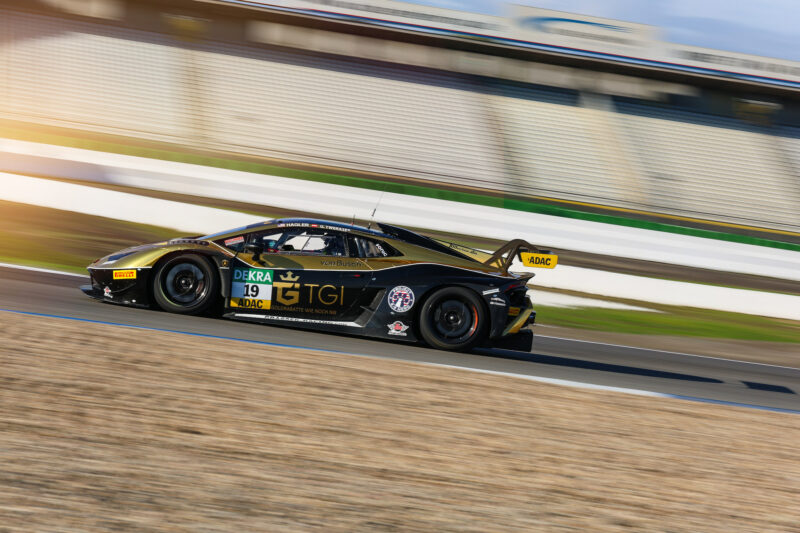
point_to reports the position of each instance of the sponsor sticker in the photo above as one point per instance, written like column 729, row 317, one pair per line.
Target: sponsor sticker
column 297, row 319
column 234, row 240
column 288, row 293
column 124, row 274
column 251, row 288
column 383, row 252
column 490, row 291
column 107, row 293
column 312, row 225
column 463, row 249
column 401, row 299
column 496, row 300
column 250, row 303
column 340, row 263
column 539, row 260
column 288, row 289
column 398, row 328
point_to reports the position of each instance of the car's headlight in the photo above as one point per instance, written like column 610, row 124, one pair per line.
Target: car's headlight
column 115, row 257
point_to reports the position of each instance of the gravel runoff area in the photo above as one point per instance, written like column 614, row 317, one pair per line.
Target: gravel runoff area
column 105, row 428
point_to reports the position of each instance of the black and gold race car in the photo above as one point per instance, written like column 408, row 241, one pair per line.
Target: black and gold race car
column 386, row 282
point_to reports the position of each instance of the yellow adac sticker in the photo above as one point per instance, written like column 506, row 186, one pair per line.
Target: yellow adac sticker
column 539, row 260
column 250, row 303
column 124, row 274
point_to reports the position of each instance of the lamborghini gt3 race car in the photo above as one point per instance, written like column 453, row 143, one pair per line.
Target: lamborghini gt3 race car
column 387, row 282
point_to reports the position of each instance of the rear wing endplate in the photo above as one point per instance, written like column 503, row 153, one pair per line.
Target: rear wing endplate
column 528, row 254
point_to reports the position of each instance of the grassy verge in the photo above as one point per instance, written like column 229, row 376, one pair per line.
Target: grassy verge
column 516, row 204
column 674, row 321
column 63, row 240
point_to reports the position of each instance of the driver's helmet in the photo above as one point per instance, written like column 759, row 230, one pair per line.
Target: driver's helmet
column 333, row 246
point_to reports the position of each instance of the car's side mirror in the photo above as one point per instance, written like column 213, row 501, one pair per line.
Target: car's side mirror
column 254, row 248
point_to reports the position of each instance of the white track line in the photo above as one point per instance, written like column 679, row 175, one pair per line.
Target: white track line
column 669, row 352
column 556, row 381
column 45, row 270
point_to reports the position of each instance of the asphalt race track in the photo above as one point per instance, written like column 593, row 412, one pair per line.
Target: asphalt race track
column 599, row 364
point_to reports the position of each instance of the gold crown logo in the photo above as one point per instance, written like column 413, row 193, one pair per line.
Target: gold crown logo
column 289, row 277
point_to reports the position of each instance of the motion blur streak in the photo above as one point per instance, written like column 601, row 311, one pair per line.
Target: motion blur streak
column 540, row 379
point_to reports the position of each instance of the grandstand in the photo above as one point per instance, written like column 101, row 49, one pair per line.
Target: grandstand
column 411, row 122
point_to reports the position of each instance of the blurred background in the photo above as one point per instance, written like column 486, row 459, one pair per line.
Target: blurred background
column 645, row 142
column 653, row 145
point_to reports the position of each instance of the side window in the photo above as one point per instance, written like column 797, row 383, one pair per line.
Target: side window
column 271, row 240
column 304, row 241
column 364, row 247
column 324, row 242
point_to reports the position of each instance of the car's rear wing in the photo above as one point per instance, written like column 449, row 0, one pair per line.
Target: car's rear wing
column 528, row 254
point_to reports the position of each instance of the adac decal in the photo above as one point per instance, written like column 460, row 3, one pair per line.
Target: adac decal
column 124, row 274
column 398, row 328
column 250, row 303
column 251, row 288
column 539, row 260
column 290, row 292
column 401, row 299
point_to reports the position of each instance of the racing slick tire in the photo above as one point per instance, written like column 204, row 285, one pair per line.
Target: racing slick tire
column 186, row 284
column 453, row 318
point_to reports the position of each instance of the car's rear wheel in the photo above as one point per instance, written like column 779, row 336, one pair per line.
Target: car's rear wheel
column 185, row 284
column 452, row 318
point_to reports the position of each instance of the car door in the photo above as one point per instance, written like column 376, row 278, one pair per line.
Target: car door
column 301, row 273
column 391, row 289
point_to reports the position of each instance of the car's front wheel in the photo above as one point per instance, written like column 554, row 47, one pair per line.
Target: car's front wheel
column 452, row 318
column 185, row 284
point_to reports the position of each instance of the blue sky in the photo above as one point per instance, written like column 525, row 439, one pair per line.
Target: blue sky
column 766, row 27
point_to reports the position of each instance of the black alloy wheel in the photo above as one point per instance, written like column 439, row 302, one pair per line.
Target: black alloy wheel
column 185, row 284
column 453, row 318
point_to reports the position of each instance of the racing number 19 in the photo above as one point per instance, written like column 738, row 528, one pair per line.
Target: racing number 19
column 250, row 291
